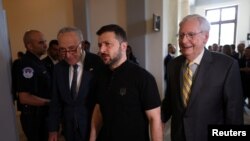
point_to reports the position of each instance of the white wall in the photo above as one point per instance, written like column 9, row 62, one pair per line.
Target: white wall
column 243, row 23
column 154, row 42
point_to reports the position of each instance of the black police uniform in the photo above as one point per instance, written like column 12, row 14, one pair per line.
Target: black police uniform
column 14, row 73
column 34, row 78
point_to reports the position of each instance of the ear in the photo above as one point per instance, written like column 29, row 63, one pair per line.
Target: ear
column 82, row 45
column 29, row 46
column 124, row 46
column 81, row 48
column 206, row 37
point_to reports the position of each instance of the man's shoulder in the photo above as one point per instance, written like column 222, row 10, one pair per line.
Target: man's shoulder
column 47, row 58
column 27, row 61
column 138, row 71
column 177, row 60
column 168, row 56
column 92, row 55
column 93, row 62
column 92, row 58
column 219, row 57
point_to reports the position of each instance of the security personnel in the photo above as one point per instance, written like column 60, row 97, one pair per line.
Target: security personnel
column 34, row 87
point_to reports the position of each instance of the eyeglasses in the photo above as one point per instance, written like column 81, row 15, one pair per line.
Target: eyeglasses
column 189, row 35
column 71, row 50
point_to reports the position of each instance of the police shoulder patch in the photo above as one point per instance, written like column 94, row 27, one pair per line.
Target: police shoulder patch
column 28, row 72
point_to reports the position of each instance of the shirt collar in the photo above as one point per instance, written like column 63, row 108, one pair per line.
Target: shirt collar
column 197, row 60
column 81, row 61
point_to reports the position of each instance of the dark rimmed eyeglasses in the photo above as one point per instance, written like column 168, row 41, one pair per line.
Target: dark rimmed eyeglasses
column 188, row 35
column 71, row 50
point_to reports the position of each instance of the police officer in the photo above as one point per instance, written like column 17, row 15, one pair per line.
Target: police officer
column 34, row 87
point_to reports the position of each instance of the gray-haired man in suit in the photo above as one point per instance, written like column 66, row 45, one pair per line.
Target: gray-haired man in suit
column 215, row 96
column 72, row 99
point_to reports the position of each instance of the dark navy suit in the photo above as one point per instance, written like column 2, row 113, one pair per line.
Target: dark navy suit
column 75, row 113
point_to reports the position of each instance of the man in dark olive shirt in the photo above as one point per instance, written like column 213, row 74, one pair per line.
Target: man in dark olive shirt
column 128, row 101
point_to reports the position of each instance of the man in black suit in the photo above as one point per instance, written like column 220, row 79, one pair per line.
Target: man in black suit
column 72, row 99
column 244, row 63
column 52, row 57
column 240, row 48
column 169, row 57
column 215, row 96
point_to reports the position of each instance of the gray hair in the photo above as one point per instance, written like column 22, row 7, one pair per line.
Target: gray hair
column 204, row 24
column 71, row 29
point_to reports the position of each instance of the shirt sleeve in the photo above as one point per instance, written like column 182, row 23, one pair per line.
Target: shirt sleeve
column 150, row 94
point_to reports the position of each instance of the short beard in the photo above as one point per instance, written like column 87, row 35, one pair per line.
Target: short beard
column 117, row 58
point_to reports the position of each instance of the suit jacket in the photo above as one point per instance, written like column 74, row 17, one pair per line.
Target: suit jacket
column 167, row 59
column 216, row 97
column 75, row 113
column 245, row 77
column 49, row 65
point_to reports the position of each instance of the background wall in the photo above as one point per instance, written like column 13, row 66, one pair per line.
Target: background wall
column 48, row 16
column 155, row 41
column 102, row 12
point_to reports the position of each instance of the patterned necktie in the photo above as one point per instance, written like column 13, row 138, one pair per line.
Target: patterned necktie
column 187, row 83
column 73, row 90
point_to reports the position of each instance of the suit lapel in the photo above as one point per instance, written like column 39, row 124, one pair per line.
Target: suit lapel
column 202, row 73
column 180, row 79
column 65, row 80
column 84, row 86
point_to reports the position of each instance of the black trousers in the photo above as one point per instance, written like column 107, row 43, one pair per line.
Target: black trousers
column 34, row 125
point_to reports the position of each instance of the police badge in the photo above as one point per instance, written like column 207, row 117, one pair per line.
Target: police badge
column 28, row 72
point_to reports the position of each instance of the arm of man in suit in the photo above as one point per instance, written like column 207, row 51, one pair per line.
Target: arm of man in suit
column 233, row 96
column 96, row 123
column 154, row 118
